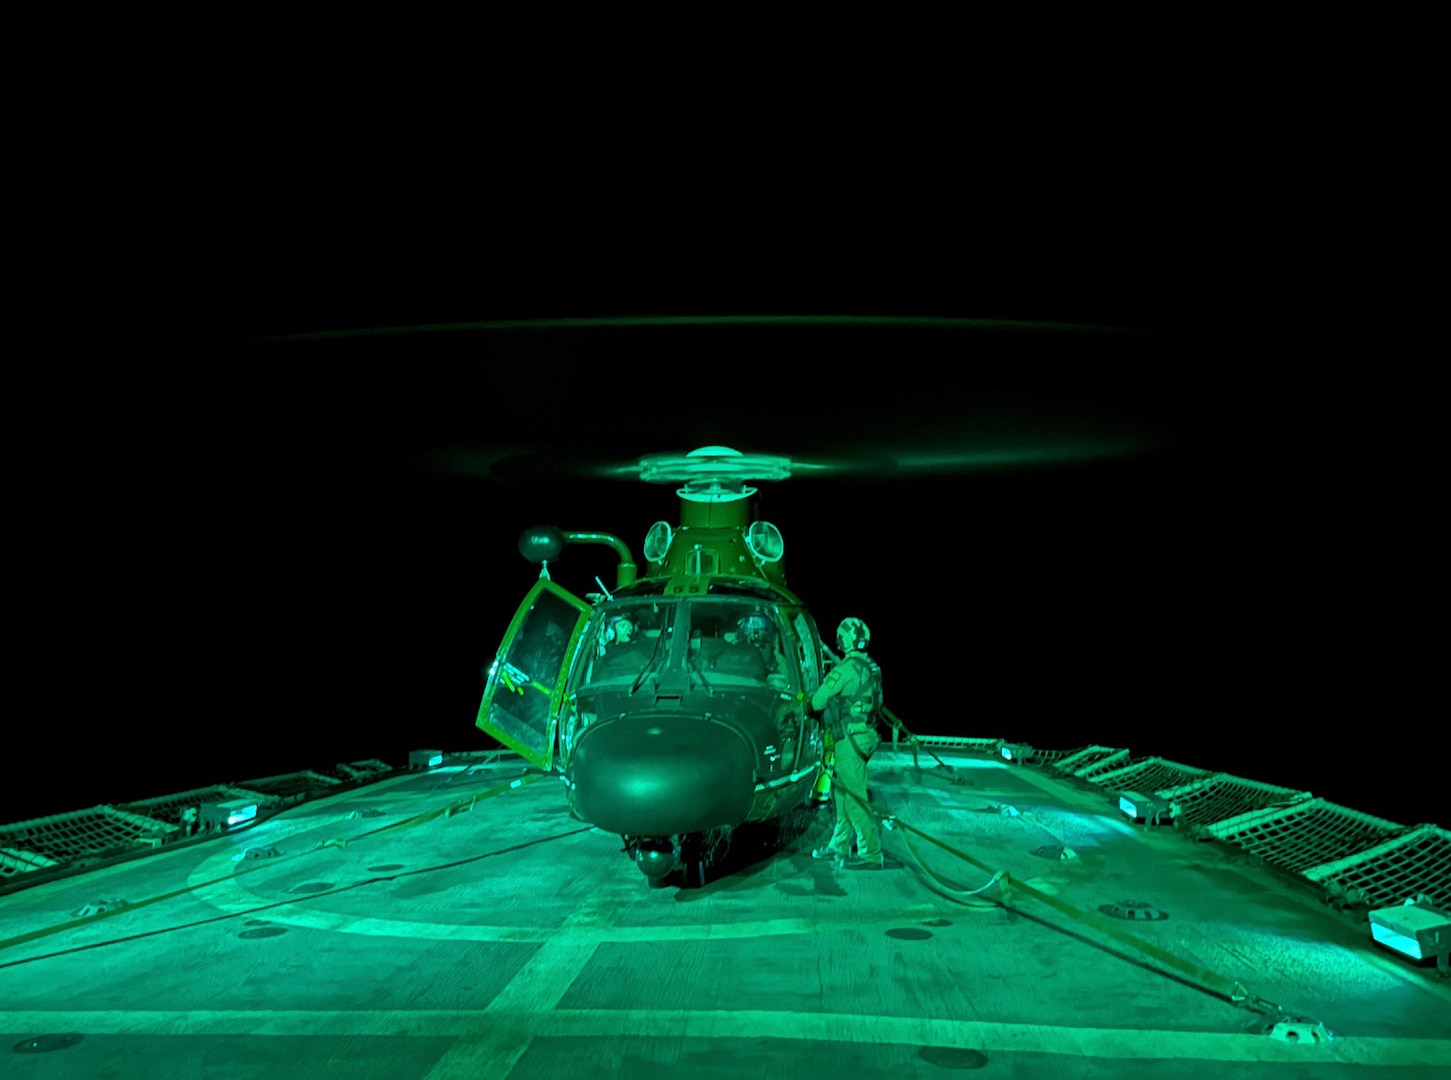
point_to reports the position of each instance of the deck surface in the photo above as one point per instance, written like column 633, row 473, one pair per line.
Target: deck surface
column 512, row 941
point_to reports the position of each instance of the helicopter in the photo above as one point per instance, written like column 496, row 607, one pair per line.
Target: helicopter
column 674, row 708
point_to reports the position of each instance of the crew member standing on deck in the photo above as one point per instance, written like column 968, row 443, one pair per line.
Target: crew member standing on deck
column 851, row 695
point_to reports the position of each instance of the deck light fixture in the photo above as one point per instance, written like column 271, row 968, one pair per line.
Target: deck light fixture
column 1019, row 752
column 223, row 815
column 1150, row 809
column 1416, row 929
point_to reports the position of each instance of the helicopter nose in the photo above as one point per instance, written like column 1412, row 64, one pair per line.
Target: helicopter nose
column 663, row 775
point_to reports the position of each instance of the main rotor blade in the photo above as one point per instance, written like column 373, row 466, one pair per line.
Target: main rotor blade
column 912, row 321
column 867, row 464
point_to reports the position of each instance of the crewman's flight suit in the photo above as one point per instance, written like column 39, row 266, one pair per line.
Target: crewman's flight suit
column 853, row 686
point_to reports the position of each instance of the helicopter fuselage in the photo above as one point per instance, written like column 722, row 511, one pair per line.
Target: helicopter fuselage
column 675, row 707
column 672, row 712
column 699, row 723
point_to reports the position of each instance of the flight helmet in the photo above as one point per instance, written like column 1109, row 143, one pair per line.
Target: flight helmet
column 852, row 636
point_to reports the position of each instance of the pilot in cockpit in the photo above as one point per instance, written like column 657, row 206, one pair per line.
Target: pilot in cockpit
column 624, row 650
column 727, row 652
column 757, row 630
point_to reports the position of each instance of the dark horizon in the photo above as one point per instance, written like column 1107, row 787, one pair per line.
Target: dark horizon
column 286, row 579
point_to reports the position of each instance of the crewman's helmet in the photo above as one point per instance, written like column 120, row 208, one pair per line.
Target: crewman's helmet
column 621, row 631
column 852, row 636
column 754, row 628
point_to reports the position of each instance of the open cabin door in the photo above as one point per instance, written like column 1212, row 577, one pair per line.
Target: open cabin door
column 526, row 681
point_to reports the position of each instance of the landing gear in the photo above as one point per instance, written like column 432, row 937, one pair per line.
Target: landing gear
column 658, row 858
column 679, row 859
column 689, row 876
column 692, row 869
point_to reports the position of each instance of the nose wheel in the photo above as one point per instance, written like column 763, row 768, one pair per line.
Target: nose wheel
column 689, row 876
column 683, row 864
column 680, row 860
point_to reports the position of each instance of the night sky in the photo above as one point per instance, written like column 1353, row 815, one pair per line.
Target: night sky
column 255, row 562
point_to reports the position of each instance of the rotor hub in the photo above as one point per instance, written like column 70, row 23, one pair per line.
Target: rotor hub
column 714, row 473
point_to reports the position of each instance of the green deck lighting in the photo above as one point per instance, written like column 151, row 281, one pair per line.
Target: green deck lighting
column 1150, row 809
column 1417, row 930
column 225, row 814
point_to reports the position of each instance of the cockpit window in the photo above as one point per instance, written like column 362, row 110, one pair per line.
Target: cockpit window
column 727, row 641
column 738, row 641
column 806, row 643
column 624, row 639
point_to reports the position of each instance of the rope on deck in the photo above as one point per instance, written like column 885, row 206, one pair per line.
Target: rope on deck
column 1210, row 982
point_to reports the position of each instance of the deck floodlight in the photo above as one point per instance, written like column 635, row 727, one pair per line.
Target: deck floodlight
column 223, row 815
column 1019, row 752
column 1150, row 809
column 425, row 759
column 1415, row 929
